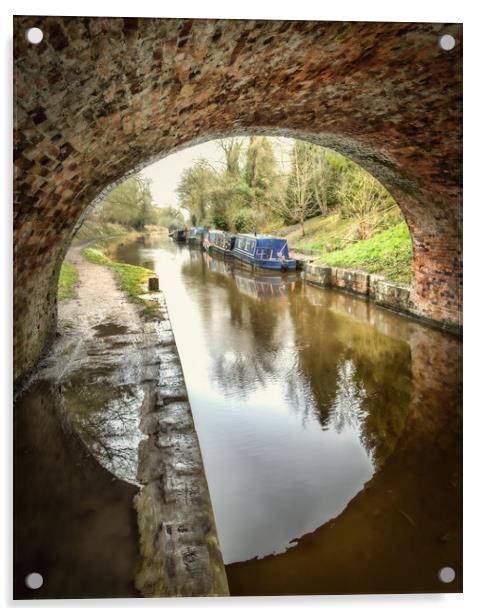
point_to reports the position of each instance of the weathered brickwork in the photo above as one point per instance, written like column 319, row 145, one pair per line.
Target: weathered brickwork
column 99, row 98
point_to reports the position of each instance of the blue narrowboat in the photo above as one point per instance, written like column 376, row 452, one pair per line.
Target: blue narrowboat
column 219, row 241
column 195, row 236
column 264, row 251
column 210, row 239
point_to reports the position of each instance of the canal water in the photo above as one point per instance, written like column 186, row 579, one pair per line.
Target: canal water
column 329, row 428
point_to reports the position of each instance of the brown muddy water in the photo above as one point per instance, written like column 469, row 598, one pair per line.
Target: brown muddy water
column 73, row 520
column 330, row 428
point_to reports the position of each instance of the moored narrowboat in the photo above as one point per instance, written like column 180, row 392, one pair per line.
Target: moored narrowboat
column 210, row 239
column 219, row 241
column 228, row 246
column 195, row 236
column 178, row 235
column 264, row 251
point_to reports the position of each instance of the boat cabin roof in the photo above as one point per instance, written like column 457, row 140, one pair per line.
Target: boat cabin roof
column 264, row 239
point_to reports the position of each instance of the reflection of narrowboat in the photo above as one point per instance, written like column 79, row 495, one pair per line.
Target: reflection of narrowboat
column 258, row 285
column 219, row 241
column 264, row 251
column 195, row 236
column 220, row 266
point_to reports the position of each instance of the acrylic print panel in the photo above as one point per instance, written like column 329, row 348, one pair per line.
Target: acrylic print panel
column 248, row 429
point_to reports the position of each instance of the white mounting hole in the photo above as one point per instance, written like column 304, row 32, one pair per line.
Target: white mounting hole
column 446, row 575
column 446, row 42
column 34, row 581
column 34, row 35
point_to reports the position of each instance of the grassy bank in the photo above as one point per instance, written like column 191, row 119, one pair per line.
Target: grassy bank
column 319, row 232
column 67, row 279
column 103, row 231
column 93, row 230
column 133, row 279
column 387, row 252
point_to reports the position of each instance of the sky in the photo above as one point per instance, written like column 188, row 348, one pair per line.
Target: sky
column 166, row 173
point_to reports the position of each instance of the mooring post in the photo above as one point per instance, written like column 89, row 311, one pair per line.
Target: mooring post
column 153, row 284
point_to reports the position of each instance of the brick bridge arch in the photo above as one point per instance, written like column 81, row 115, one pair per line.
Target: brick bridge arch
column 99, row 97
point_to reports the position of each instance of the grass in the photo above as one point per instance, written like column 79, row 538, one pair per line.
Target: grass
column 67, row 279
column 93, row 230
column 132, row 278
column 321, row 231
column 388, row 253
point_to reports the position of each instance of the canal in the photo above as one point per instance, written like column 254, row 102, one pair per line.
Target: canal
column 329, row 428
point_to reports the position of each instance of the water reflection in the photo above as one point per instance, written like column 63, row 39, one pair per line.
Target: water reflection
column 297, row 401
column 74, row 522
column 107, row 419
column 356, row 367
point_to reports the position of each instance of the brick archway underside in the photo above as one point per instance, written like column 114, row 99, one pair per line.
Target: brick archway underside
column 100, row 97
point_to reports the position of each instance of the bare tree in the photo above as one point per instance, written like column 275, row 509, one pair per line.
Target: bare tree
column 232, row 152
column 322, row 181
column 300, row 201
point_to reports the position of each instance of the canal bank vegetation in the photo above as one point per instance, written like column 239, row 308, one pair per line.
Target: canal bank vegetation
column 132, row 206
column 252, row 189
column 67, row 278
column 93, row 229
column 128, row 207
column 387, row 251
column 133, row 279
column 319, row 200
column 322, row 202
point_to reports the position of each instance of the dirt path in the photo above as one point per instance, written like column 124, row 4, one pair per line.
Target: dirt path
column 97, row 303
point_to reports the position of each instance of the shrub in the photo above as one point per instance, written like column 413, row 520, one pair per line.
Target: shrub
column 245, row 221
column 219, row 221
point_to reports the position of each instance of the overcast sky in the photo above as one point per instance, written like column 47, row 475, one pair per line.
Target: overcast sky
column 166, row 173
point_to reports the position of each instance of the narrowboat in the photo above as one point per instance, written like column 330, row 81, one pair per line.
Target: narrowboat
column 219, row 241
column 195, row 236
column 264, row 251
column 178, row 235
column 227, row 247
column 210, row 239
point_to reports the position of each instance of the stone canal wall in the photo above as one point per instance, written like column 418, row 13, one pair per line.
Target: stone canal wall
column 392, row 295
column 377, row 289
column 180, row 554
column 352, row 280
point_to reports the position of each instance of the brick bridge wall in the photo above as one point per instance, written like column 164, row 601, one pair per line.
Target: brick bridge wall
column 99, row 98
